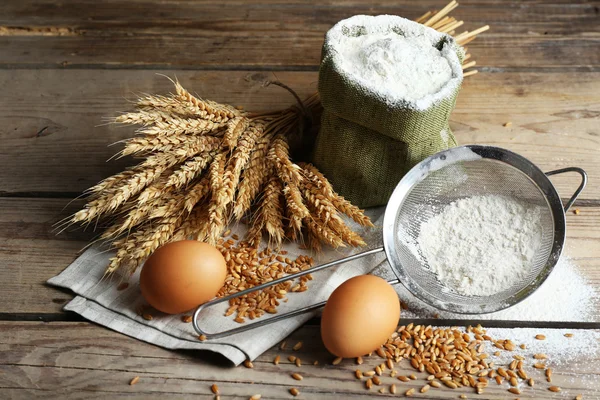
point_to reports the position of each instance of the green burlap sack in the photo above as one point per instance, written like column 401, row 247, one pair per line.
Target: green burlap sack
column 368, row 142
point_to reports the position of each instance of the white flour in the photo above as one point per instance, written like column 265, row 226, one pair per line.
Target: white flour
column 565, row 296
column 409, row 68
column 395, row 59
column 481, row 245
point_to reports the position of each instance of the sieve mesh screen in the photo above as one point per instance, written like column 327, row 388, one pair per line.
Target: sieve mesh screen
column 459, row 180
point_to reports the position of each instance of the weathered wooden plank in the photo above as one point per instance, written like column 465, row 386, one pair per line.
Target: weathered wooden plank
column 54, row 140
column 273, row 34
column 82, row 360
column 31, row 253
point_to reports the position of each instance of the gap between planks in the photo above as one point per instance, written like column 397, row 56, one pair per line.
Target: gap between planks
column 267, row 68
column 73, row 317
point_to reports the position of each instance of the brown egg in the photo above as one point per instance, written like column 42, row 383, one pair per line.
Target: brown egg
column 182, row 275
column 359, row 316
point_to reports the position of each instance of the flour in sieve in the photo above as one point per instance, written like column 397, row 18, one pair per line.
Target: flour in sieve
column 481, row 245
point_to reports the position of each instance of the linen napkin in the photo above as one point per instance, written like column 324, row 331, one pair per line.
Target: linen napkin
column 100, row 301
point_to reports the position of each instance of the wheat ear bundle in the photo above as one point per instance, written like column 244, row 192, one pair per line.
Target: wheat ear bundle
column 206, row 164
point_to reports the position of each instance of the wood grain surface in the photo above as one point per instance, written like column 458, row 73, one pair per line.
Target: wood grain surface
column 65, row 66
column 50, row 360
column 277, row 34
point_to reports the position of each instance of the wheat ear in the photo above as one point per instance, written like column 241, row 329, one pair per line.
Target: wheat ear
column 325, row 214
column 235, row 128
column 238, row 161
column 216, row 213
column 338, row 201
column 269, row 216
column 323, row 233
column 191, row 228
column 110, row 200
column 214, row 110
column 170, row 125
column 141, row 243
column 253, row 177
column 280, row 157
column 189, row 170
column 197, row 192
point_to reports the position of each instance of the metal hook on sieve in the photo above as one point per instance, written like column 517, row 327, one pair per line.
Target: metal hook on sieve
column 584, row 179
column 279, row 317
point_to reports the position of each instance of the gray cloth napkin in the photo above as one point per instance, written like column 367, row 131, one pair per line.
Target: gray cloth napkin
column 98, row 300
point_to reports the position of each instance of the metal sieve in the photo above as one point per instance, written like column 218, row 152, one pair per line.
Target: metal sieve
column 423, row 192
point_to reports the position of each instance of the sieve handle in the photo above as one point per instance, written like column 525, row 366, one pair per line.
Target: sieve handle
column 584, row 179
column 278, row 317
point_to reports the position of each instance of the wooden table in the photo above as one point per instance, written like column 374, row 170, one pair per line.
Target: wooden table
column 64, row 65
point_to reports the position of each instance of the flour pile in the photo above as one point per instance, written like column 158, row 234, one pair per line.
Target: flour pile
column 481, row 245
column 400, row 62
column 566, row 295
column 410, row 68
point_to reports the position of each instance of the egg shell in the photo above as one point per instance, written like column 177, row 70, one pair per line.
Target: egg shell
column 360, row 315
column 182, row 275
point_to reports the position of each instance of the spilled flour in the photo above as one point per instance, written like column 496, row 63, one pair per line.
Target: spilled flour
column 481, row 245
column 565, row 296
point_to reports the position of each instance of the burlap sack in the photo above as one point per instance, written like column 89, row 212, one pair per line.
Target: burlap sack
column 366, row 142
